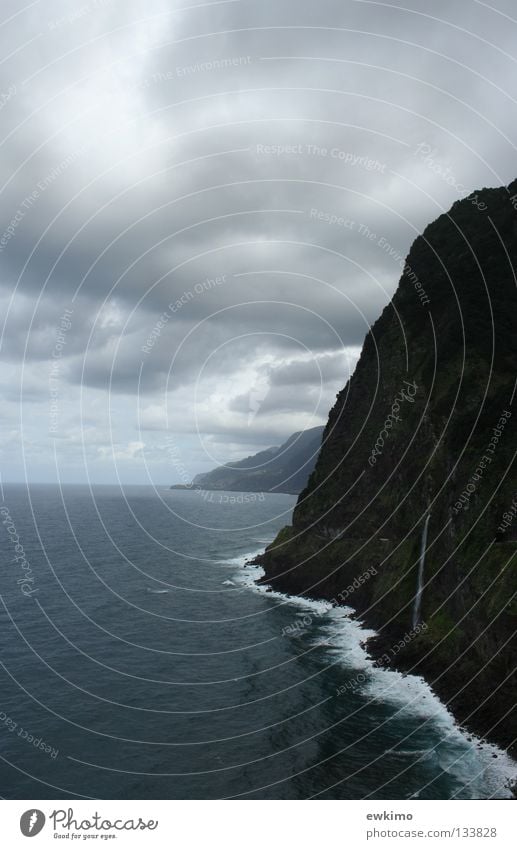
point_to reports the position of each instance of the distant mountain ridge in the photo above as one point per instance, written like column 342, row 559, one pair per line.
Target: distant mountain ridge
column 283, row 469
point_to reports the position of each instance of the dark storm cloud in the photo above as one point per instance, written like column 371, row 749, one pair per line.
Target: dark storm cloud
column 293, row 149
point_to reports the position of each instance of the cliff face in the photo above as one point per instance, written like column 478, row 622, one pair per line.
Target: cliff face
column 423, row 427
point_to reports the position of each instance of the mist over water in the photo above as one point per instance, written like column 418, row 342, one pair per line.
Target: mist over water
column 145, row 663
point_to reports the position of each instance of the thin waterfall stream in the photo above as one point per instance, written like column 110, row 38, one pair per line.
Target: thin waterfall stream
column 420, row 581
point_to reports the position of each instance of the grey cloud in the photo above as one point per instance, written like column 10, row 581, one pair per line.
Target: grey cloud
column 148, row 148
column 323, row 369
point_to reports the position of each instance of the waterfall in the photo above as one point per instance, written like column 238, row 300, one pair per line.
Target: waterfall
column 420, row 581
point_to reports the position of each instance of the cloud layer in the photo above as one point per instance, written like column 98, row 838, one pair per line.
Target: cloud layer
column 204, row 206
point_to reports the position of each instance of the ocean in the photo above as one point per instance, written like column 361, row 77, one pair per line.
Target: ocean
column 139, row 659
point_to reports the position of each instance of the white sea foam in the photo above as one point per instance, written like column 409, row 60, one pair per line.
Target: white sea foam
column 483, row 768
column 405, row 753
column 240, row 560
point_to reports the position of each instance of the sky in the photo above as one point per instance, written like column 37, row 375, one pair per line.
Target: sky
column 205, row 205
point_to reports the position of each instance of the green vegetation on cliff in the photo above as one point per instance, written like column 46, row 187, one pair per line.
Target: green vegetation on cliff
column 425, row 426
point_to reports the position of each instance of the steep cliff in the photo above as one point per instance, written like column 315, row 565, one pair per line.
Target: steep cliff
column 422, row 437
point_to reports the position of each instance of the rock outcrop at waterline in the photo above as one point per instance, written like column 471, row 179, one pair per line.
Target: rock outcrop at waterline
column 424, row 428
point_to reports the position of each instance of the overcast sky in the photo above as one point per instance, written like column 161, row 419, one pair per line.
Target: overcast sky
column 188, row 192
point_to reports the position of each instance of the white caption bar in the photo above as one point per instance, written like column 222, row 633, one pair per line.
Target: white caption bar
column 253, row 825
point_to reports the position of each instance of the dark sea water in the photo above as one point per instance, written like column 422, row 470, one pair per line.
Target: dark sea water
column 154, row 668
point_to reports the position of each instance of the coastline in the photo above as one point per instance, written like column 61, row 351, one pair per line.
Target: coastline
column 422, row 656
column 414, row 476
column 401, row 681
